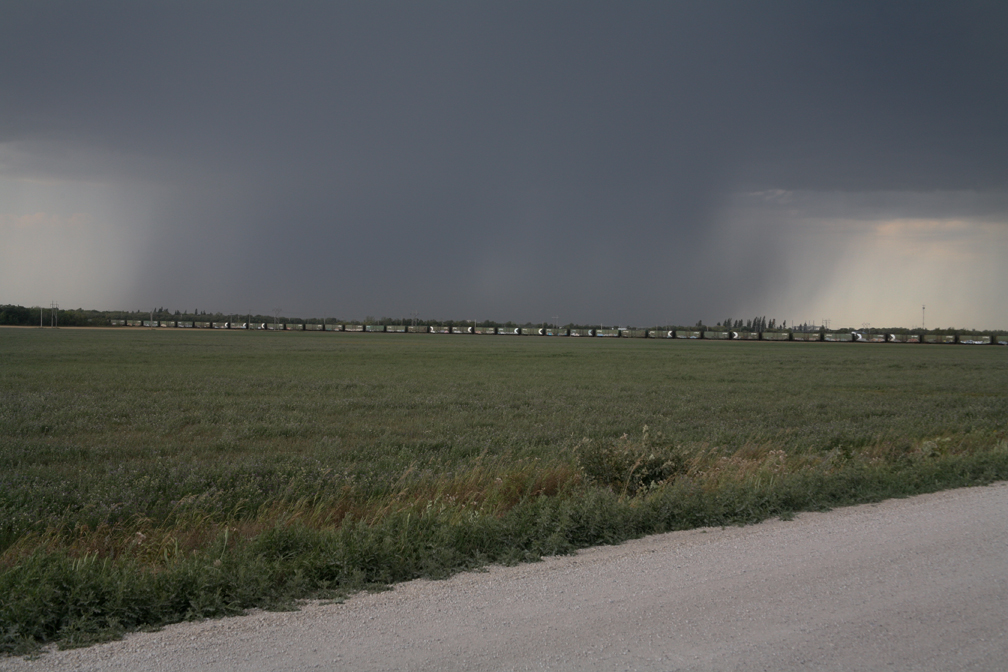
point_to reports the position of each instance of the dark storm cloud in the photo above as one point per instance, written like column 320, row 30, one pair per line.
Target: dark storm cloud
column 509, row 161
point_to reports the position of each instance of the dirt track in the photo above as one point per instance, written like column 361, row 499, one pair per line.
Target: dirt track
column 916, row 584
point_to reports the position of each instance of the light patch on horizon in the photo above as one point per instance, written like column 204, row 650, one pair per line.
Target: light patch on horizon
column 955, row 267
column 871, row 267
column 66, row 241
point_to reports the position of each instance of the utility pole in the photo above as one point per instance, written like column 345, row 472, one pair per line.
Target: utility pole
column 923, row 321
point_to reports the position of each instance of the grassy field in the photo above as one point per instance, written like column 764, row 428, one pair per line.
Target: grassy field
column 152, row 476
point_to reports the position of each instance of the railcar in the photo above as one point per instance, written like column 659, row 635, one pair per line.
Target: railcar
column 775, row 336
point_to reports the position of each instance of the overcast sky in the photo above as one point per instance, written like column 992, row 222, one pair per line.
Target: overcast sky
column 618, row 163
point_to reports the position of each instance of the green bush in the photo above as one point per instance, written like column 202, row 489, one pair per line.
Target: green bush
column 626, row 466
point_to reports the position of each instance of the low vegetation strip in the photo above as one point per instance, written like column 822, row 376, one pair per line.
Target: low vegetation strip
column 153, row 477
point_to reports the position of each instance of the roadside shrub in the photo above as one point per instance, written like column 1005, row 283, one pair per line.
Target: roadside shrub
column 629, row 466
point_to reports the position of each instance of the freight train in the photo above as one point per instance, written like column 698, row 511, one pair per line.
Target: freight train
column 688, row 334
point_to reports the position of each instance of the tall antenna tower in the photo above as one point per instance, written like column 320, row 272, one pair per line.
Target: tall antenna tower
column 276, row 316
column 923, row 321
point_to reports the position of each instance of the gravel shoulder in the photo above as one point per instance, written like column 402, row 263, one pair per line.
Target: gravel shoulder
column 918, row 583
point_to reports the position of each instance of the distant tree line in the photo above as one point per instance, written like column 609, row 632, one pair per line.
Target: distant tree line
column 761, row 324
column 21, row 316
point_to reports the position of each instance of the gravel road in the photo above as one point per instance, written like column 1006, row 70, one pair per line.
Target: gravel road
column 912, row 584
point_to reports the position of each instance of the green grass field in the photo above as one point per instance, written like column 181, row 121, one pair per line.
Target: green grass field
column 152, row 476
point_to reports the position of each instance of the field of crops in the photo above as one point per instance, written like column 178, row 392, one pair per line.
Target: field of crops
column 149, row 476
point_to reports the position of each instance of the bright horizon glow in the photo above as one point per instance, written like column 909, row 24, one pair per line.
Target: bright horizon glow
column 872, row 267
